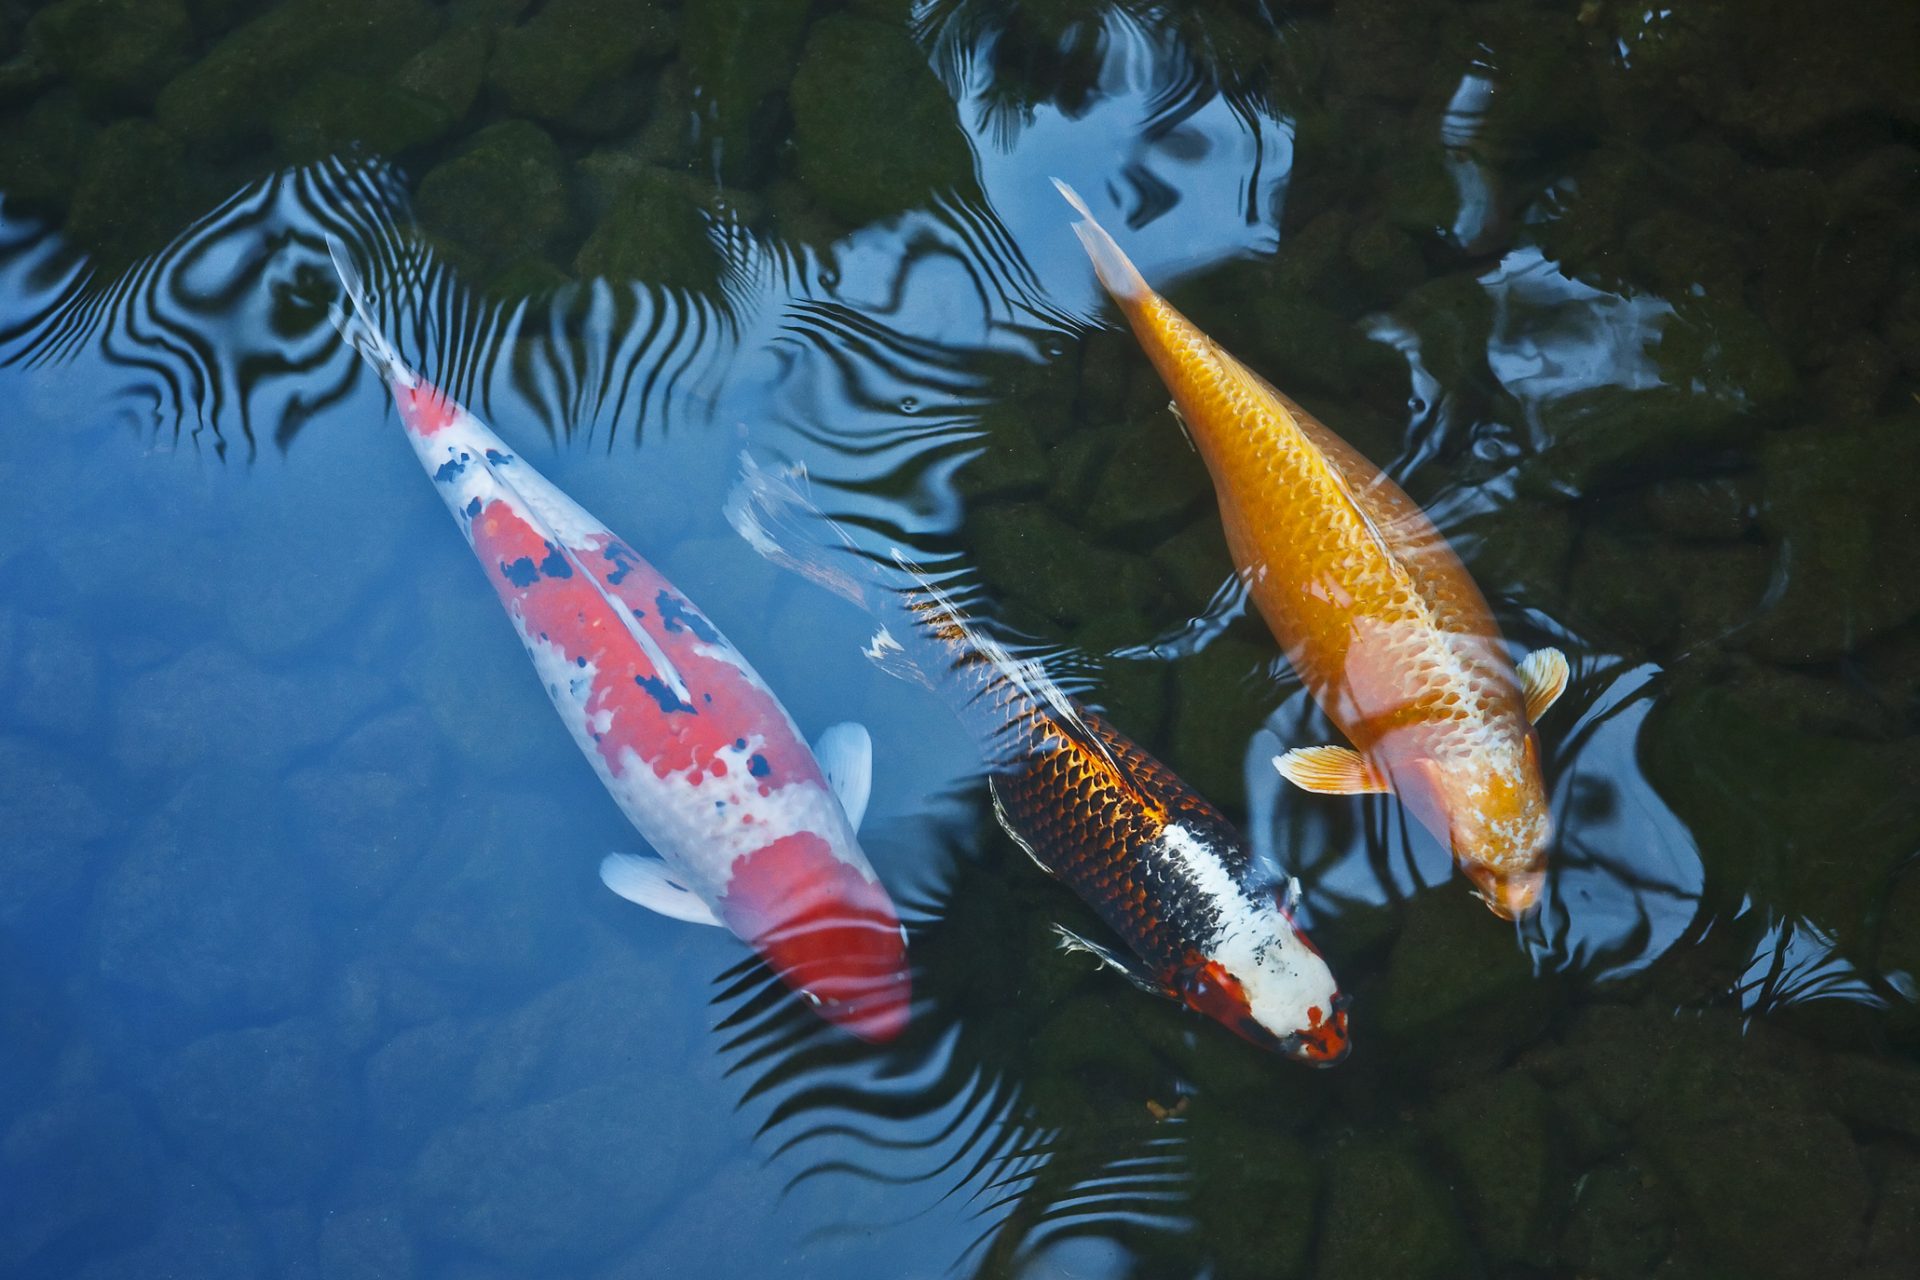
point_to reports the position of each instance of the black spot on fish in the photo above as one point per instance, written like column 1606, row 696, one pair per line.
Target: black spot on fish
column 757, row 765
column 580, row 662
column 555, row 565
column 678, row 615
column 739, row 744
column 623, row 563
column 473, row 508
column 660, row 692
column 448, row 470
column 498, row 458
column 521, row 573
column 707, row 696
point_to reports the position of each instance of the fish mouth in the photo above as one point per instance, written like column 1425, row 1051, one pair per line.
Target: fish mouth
column 1324, row 1045
column 1511, row 896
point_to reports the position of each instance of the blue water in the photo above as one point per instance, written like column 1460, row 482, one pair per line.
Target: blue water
column 305, row 968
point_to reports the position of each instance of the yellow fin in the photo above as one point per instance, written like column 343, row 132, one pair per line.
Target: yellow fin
column 1543, row 678
column 1330, row 771
column 1116, row 271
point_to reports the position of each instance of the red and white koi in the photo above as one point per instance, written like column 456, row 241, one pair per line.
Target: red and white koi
column 752, row 833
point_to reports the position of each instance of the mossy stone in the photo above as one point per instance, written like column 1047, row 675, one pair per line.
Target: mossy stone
column 1794, row 808
column 338, row 109
column 1008, row 461
column 1388, row 1214
column 504, row 194
column 226, row 99
column 875, row 132
column 1152, row 482
column 654, row 231
column 739, row 54
column 41, row 152
column 450, row 70
column 571, row 49
column 1221, row 695
column 1840, row 504
column 1498, row 1134
column 1030, row 554
column 117, row 52
column 1459, row 987
column 125, row 200
column 1619, row 1228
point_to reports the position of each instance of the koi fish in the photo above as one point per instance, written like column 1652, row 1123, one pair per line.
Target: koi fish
column 1372, row 607
column 1162, row 867
column 754, row 832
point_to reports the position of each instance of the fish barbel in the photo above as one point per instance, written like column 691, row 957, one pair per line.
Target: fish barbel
column 1371, row 605
column 1162, row 867
column 752, row 833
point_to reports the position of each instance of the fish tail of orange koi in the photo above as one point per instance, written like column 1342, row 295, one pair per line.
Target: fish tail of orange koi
column 1117, row 273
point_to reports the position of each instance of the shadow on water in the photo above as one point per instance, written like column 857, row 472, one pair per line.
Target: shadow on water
column 1623, row 298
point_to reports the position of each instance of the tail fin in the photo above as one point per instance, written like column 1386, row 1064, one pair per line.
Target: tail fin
column 777, row 518
column 1116, row 271
column 360, row 330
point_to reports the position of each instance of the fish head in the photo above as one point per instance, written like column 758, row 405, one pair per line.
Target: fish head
column 1500, row 827
column 1279, row 995
column 827, row 927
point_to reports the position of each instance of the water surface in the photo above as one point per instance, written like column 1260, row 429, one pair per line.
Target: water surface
column 304, row 965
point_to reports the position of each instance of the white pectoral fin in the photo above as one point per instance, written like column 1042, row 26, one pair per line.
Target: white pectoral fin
column 1543, row 678
column 845, row 753
column 649, row 882
column 1331, row 771
column 1071, row 942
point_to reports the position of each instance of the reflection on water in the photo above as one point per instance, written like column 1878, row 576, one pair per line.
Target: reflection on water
column 307, row 968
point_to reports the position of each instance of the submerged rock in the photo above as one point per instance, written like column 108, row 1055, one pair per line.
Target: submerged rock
column 204, row 919
column 227, row 98
column 117, row 52
column 266, row 1107
column 1387, row 1214
column 1032, row 555
column 559, row 1184
column 1498, row 1133
column 653, row 231
column 128, row 193
column 570, row 49
column 1841, row 505
column 875, row 132
column 739, row 54
column 337, row 109
column 52, row 820
column 504, row 194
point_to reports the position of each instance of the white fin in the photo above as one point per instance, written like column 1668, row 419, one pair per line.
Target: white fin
column 1006, row 825
column 1071, row 942
column 845, row 753
column 1330, row 771
column 1116, row 271
column 1543, row 678
column 648, row 882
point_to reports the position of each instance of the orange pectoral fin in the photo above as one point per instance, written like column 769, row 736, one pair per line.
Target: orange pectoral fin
column 1543, row 678
column 1331, row 771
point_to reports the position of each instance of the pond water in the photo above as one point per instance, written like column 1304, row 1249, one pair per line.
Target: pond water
column 305, row 968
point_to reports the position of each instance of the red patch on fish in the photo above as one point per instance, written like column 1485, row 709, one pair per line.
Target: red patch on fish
column 676, row 726
column 826, row 930
column 424, row 408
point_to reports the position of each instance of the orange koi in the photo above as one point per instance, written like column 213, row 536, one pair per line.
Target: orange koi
column 1372, row 607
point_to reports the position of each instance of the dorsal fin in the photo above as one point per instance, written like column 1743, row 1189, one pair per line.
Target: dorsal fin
column 1026, row 675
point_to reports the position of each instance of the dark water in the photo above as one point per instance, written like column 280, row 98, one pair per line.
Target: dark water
column 304, row 966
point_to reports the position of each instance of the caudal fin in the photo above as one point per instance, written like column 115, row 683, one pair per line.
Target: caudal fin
column 777, row 518
column 360, row 330
column 1117, row 273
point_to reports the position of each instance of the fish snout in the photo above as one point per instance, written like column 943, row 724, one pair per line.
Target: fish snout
column 1509, row 895
column 1325, row 1044
column 850, row 964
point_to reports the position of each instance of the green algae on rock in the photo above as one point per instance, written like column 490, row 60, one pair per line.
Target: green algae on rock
column 116, row 52
column 503, row 194
column 875, row 133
